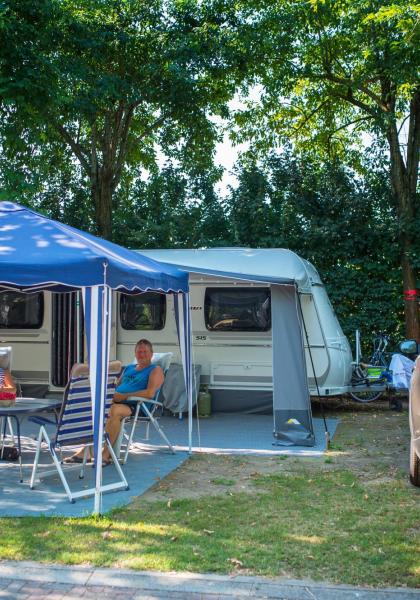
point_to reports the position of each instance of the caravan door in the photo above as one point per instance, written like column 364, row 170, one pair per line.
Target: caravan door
column 67, row 336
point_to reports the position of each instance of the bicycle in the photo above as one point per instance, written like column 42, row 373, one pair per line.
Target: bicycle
column 373, row 372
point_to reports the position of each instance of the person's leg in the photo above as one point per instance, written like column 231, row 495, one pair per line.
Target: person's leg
column 117, row 413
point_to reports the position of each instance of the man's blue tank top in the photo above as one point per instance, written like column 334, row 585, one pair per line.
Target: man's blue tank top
column 133, row 380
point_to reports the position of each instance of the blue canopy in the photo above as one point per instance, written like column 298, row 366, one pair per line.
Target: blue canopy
column 38, row 252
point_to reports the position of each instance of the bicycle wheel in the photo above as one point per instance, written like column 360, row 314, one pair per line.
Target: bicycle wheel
column 365, row 397
column 361, row 377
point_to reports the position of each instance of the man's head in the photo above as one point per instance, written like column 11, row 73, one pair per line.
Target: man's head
column 143, row 352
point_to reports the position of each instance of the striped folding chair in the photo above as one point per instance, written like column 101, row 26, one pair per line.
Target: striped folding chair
column 75, row 427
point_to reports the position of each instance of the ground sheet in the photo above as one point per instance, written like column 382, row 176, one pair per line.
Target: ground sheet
column 148, row 463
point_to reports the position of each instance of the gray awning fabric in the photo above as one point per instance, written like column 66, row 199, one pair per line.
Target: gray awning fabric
column 291, row 399
column 237, row 275
column 173, row 394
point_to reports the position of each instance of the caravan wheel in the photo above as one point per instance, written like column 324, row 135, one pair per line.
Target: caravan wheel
column 414, row 466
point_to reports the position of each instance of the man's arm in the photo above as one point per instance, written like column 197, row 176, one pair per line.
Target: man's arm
column 156, row 379
column 119, row 378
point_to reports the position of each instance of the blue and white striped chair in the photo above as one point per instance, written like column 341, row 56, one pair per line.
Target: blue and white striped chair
column 75, row 427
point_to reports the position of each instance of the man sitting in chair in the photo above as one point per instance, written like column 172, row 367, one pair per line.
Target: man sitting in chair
column 137, row 381
column 141, row 380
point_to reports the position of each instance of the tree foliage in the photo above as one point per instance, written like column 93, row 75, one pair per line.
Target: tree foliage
column 92, row 94
column 338, row 221
column 330, row 71
column 117, row 79
column 171, row 209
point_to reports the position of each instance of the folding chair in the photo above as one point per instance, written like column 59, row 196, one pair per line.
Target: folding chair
column 149, row 409
column 75, row 427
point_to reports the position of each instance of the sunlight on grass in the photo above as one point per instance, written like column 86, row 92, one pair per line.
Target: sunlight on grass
column 334, row 452
column 310, row 539
column 327, row 526
column 146, row 563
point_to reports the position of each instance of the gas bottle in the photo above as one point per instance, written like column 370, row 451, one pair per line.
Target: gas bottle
column 204, row 402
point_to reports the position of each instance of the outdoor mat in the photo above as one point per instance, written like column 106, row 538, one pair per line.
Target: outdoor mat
column 236, row 433
column 142, row 470
column 148, row 463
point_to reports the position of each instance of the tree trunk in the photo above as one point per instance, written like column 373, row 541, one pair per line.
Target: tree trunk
column 102, row 199
column 411, row 301
column 402, row 184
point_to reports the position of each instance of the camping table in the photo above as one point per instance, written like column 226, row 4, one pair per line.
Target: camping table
column 22, row 408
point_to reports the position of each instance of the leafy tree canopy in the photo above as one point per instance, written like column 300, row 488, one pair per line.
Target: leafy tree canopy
column 330, row 71
column 112, row 81
column 342, row 223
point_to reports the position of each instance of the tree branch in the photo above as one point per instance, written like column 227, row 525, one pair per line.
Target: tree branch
column 75, row 146
column 413, row 142
column 349, row 97
column 94, row 158
column 122, row 131
column 402, row 124
column 124, row 141
column 311, row 114
column 350, row 84
column 359, row 120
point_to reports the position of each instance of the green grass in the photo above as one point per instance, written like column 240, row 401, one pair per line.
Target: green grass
column 223, row 481
column 325, row 526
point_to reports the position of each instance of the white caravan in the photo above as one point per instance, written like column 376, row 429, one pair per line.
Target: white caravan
column 232, row 338
column 231, row 322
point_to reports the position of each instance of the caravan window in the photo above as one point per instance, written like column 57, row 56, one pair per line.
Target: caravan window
column 143, row 312
column 21, row 311
column 237, row 309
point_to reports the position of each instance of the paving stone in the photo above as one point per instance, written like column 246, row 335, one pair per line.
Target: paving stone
column 280, row 591
column 29, row 588
column 98, row 589
column 146, row 596
column 18, row 583
column 78, row 590
column 361, row 594
column 63, row 588
column 71, row 597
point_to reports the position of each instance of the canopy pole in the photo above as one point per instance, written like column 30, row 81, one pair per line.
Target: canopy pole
column 183, row 324
column 97, row 306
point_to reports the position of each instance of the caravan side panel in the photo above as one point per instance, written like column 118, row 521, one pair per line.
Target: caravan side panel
column 25, row 325
column 339, row 373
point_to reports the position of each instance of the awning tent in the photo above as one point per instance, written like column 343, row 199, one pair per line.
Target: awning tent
column 287, row 277
column 38, row 253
